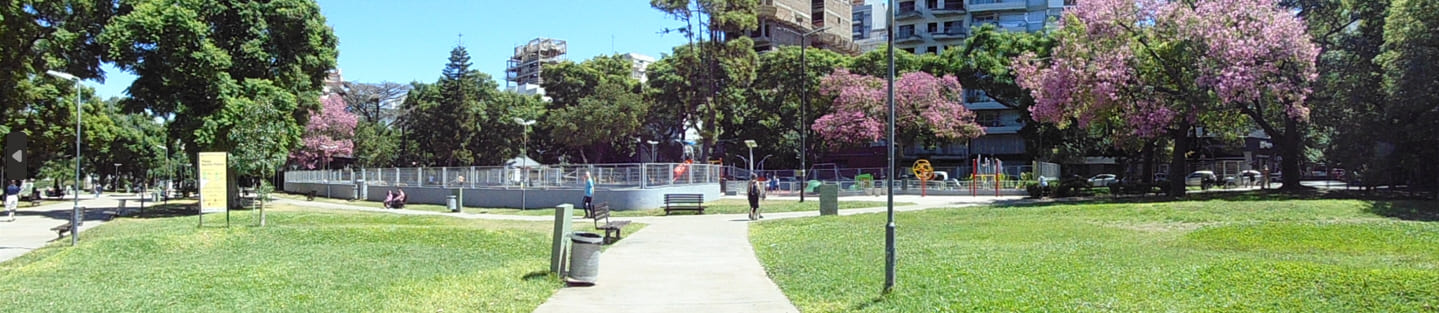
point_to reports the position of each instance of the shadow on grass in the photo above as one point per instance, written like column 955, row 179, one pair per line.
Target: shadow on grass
column 1252, row 195
column 866, row 304
column 537, row 275
column 165, row 211
column 1409, row 210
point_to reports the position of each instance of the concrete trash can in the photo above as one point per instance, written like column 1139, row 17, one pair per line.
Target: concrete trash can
column 584, row 257
column 829, row 199
column 452, row 203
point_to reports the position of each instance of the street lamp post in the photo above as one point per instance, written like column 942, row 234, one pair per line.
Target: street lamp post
column 115, row 181
column 165, row 189
column 525, row 155
column 804, row 123
column 751, row 144
column 75, row 217
column 326, row 168
column 889, row 183
column 653, row 157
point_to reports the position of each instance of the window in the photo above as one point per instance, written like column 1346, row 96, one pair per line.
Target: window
column 952, row 28
column 932, row 28
column 933, row 50
column 932, row 4
column 905, row 31
column 906, row 7
column 910, row 50
column 987, row 118
column 981, row 19
column 1070, row 3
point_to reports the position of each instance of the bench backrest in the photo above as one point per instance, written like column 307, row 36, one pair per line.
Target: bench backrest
column 684, row 197
column 602, row 211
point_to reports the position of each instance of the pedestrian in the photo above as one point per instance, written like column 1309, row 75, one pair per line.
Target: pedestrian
column 12, row 198
column 589, row 195
column 754, row 194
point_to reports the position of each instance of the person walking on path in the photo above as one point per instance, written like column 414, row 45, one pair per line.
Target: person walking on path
column 754, row 194
column 12, row 198
column 589, row 195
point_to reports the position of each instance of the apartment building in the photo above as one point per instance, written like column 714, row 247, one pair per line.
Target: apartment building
column 639, row 63
column 782, row 22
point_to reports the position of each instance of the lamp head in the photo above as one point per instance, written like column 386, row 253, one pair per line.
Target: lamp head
column 750, row 143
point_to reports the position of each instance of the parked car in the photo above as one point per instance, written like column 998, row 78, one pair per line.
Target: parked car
column 1103, row 180
column 1201, row 178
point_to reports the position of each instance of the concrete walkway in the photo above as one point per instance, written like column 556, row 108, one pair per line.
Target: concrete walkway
column 31, row 228
column 699, row 263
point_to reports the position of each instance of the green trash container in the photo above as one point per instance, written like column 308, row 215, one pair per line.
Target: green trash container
column 829, row 199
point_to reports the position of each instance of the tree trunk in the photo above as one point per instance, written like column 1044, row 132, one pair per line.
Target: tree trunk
column 1288, row 144
column 1148, row 167
column 1177, row 161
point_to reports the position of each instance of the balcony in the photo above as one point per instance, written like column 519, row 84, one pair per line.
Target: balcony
column 996, row 5
column 955, row 33
column 950, row 8
column 908, row 37
column 907, row 12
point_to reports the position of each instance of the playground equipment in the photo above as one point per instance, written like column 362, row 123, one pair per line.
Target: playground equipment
column 924, row 172
column 680, row 170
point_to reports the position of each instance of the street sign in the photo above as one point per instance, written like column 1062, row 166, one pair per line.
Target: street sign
column 15, row 156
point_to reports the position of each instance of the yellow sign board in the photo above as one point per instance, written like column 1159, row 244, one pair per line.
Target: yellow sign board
column 214, row 180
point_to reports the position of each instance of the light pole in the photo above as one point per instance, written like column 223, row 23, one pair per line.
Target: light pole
column 524, row 155
column 326, row 168
column 115, row 181
column 751, row 144
column 804, row 123
column 75, row 217
column 165, row 189
column 653, row 157
column 889, row 183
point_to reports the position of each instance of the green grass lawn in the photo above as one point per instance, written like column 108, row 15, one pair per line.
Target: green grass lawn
column 1265, row 255
column 305, row 260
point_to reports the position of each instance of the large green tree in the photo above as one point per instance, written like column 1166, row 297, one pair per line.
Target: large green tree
column 719, row 62
column 228, row 71
column 41, row 35
column 1411, row 82
column 446, row 118
column 772, row 116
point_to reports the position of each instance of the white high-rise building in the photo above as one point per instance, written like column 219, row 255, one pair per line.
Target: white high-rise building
column 639, row 64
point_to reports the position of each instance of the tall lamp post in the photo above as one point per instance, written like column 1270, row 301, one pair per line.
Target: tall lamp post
column 653, row 157
column 524, row 155
column 326, row 168
column 889, row 183
column 75, row 217
column 115, row 181
column 751, row 144
column 165, row 189
column 804, row 123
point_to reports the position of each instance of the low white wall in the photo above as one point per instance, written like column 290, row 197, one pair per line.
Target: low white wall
column 618, row 198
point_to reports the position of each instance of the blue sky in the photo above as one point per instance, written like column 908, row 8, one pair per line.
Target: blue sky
column 404, row 41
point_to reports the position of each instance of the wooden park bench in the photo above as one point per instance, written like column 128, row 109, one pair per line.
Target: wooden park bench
column 684, row 201
column 602, row 212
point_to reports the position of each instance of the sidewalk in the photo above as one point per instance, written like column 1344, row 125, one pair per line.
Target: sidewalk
column 700, row 263
column 31, row 228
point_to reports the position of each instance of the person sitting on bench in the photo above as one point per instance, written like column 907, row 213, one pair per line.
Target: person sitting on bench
column 389, row 198
column 399, row 201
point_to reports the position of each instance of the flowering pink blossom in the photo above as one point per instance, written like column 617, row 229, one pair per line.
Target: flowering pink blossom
column 330, row 133
column 1147, row 64
column 924, row 104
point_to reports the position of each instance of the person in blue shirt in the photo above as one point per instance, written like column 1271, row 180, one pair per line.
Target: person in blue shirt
column 12, row 198
column 589, row 195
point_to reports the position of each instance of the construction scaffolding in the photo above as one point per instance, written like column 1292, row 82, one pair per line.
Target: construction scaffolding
column 524, row 67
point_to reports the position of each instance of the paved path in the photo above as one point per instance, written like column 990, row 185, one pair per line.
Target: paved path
column 31, row 228
column 698, row 264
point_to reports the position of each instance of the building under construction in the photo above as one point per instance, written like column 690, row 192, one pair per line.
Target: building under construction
column 524, row 67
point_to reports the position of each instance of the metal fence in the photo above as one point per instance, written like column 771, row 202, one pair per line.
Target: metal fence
column 641, row 175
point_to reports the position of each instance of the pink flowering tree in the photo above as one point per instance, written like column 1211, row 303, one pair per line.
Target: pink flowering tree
column 928, row 109
column 1153, row 68
column 331, row 132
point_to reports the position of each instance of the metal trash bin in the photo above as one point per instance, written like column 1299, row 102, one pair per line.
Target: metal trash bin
column 452, row 203
column 829, row 199
column 585, row 257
